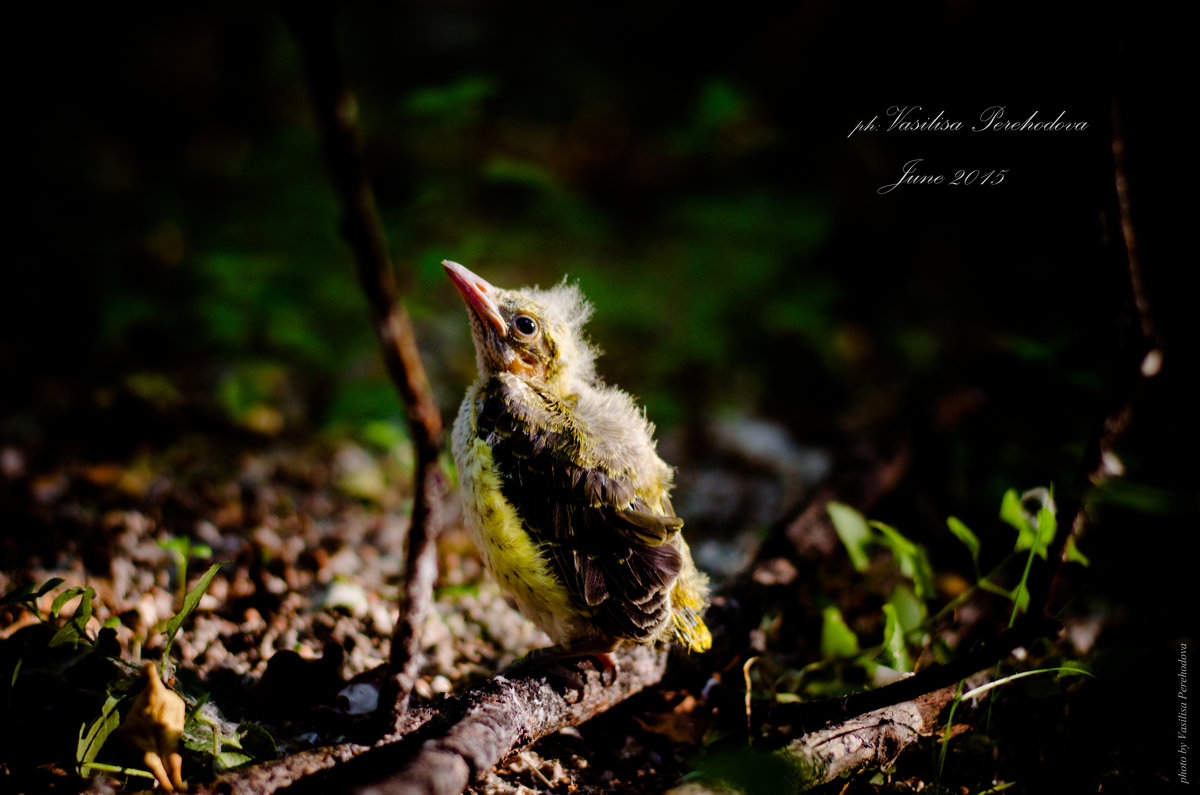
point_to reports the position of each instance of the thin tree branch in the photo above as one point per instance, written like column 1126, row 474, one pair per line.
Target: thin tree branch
column 494, row 720
column 987, row 653
column 1125, row 207
column 1101, row 462
column 872, row 740
column 335, row 109
column 443, row 747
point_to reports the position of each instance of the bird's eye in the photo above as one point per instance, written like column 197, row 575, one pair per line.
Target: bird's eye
column 525, row 326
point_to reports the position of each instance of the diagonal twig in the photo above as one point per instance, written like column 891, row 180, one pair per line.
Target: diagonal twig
column 335, row 109
column 1144, row 363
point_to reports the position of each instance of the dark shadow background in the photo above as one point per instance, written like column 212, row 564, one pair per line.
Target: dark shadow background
column 174, row 260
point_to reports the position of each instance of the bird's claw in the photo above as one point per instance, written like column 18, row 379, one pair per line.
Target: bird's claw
column 565, row 665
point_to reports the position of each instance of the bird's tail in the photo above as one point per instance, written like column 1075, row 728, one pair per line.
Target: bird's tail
column 689, row 597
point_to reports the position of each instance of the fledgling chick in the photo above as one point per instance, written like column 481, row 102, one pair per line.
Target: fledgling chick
column 565, row 495
column 153, row 728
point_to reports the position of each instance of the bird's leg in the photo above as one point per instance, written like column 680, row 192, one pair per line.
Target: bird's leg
column 562, row 662
column 598, row 650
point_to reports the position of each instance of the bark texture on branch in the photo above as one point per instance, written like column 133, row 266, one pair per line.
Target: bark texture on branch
column 444, row 746
column 499, row 718
column 874, row 739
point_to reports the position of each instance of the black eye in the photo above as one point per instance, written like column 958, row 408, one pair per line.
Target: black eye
column 525, row 326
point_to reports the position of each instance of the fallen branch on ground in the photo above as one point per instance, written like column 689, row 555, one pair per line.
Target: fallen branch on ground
column 461, row 736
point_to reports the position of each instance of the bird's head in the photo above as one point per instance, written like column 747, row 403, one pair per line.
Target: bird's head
column 533, row 334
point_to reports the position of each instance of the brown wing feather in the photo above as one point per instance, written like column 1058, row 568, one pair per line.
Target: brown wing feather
column 616, row 556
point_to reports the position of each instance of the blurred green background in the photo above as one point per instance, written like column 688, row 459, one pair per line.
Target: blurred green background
column 176, row 234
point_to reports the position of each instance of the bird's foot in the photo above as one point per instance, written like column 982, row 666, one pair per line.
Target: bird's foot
column 567, row 663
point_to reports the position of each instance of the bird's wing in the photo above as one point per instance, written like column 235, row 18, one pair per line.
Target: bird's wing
column 616, row 555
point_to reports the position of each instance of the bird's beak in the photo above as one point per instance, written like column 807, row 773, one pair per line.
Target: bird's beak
column 478, row 295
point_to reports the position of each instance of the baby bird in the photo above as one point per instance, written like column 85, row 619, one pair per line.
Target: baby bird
column 566, row 497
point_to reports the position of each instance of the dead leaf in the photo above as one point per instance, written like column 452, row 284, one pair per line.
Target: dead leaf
column 153, row 728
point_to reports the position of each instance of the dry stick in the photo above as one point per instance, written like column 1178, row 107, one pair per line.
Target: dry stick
column 1100, row 462
column 871, row 740
column 492, row 721
column 1136, row 282
column 443, row 746
column 336, row 111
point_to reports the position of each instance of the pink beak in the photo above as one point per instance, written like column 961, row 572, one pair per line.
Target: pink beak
column 478, row 295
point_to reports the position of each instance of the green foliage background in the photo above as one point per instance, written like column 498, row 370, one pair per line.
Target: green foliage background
column 177, row 236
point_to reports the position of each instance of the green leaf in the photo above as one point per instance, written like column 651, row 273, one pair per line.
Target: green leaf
column 189, row 604
column 964, row 534
column 74, row 631
column 911, row 558
column 257, row 741
column 50, row 585
column 895, row 653
column 84, row 612
column 61, row 600
column 1033, row 531
column 909, row 609
column 1013, row 514
column 1074, row 555
column 230, row 755
column 176, row 545
column 251, row 743
column 1020, row 598
column 837, row 639
column 1047, row 527
column 67, row 635
column 853, row 530
column 93, row 736
column 18, row 596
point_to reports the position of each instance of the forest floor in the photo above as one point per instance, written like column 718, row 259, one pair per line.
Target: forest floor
column 291, row 632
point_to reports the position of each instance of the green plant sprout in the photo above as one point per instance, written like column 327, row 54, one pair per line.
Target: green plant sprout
column 125, row 771
column 188, row 604
column 74, row 631
column 1036, row 528
column 28, row 596
column 906, row 613
column 984, row 688
column 120, row 691
column 182, row 551
column 93, row 736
